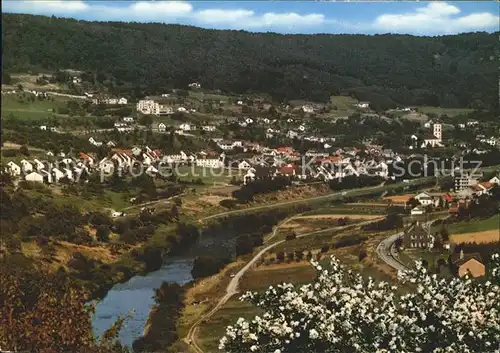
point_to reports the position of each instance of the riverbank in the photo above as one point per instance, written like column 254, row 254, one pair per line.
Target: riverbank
column 203, row 294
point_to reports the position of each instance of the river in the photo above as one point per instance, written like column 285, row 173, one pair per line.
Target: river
column 136, row 297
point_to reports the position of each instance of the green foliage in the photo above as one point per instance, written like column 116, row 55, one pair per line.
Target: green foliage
column 162, row 332
column 48, row 313
column 204, row 266
column 436, row 71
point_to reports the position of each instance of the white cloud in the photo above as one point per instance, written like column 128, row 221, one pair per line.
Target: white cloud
column 436, row 18
column 165, row 11
column 433, row 18
column 249, row 19
column 218, row 17
column 54, row 7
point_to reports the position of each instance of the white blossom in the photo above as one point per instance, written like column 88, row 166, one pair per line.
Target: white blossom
column 343, row 312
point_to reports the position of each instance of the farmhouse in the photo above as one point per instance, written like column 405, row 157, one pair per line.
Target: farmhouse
column 468, row 264
column 34, row 177
column 13, row 169
column 417, row 237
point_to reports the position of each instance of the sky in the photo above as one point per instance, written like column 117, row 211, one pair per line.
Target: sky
column 417, row 18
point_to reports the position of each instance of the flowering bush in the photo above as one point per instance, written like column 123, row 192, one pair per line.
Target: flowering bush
column 343, row 312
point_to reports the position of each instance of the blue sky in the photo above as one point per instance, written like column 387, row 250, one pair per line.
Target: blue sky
column 419, row 18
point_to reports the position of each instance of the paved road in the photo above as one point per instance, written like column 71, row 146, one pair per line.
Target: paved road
column 232, row 287
column 342, row 193
column 387, row 252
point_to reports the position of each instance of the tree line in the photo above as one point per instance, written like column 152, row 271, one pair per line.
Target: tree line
column 387, row 70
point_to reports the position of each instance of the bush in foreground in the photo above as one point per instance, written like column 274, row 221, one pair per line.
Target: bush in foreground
column 343, row 312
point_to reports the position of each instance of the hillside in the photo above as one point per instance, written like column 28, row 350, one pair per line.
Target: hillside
column 448, row 71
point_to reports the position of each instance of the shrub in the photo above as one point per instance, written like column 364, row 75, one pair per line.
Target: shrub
column 205, row 266
column 362, row 254
column 290, row 236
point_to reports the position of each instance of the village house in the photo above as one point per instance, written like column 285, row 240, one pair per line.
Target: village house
column 26, row 166
column 495, row 180
column 426, row 199
column 226, row 145
column 86, row 159
column 417, row 237
column 287, row 170
column 468, row 264
column 107, row 166
column 94, row 142
column 13, row 169
column 38, row 165
column 147, row 106
column 57, row 174
column 161, row 127
column 34, row 177
column 466, row 179
column 417, row 211
column 258, row 172
column 363, row 105
column 151, row 171
column 433, row 139
column 209, row 128
column 185, row 127
column 308, row 109
column 175, row 158
column 211, row 161
column 244, row 165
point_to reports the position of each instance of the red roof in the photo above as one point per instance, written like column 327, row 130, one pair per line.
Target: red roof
column 329, row 159
column 284, row 149
column 287, row 169
column 486, row 184
column 84, row 156
column 119, row 150
column 448, row 197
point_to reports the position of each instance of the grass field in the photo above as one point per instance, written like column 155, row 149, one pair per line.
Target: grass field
column 343, row 102
column 488, row 236
column 207, row 175
column 347, row 211
column 211, row 332
column 199, row 95
column 443, row 111
column 475, row 226
column 36, row 110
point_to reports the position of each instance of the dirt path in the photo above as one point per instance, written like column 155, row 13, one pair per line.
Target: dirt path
column 335, row 216
column 232, row 287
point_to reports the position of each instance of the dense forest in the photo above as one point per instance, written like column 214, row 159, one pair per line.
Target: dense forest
column 459, row 70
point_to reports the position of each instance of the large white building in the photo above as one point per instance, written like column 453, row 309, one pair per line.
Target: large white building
column 147, row 106
column 438, row 131
column 465, row 179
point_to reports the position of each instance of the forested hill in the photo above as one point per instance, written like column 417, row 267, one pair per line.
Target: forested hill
column 458, row 71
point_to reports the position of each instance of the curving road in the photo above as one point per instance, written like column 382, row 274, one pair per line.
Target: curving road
column 387, row 252
column 341, row 193
column 232, row 287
